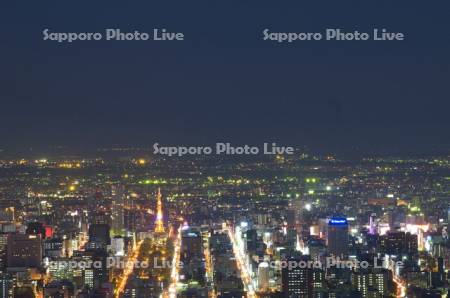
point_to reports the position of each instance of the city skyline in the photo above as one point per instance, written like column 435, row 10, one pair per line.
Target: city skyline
column 225, row 149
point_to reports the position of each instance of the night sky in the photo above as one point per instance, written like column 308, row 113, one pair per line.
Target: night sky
column 224, row 83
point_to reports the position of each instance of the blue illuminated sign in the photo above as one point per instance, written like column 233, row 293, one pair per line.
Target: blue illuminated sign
column 338, row 221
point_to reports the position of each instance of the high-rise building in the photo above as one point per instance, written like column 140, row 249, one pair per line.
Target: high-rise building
column 36, row 228
column 399, row 243
column 24, row 250
column 118, row 246
column 297, row 280
column 59, row 269
column 97, row 275
column 373, row 229
column 337, row 237
column 192, row 256
column 318, row 282
column 294, row 216
column 448, row 215
column 252, row 240
column 99, row 234
column 262, row 218
column 117, row 210
column 3, row 245
column 130, row 218
column 6, row 285
column 263, row 276
column 54, row 247
column 101, row 218
column 59, row 288
column 317, row 249
column 191, row 243
column 373, row 282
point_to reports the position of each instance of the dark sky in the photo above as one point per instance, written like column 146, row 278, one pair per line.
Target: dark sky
column 224, row 83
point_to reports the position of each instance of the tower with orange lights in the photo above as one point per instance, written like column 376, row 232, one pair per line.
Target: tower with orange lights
column 159, row 224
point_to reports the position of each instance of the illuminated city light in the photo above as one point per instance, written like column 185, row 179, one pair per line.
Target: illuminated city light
column 128, row 269
column 159, row 225
column 244, row 270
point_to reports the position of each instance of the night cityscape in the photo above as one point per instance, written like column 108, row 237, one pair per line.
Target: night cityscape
column 211, row 227
column 224, row 150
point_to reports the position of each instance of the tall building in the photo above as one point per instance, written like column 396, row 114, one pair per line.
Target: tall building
column 99, row 235
column 36, row 228
column 252, row 240
column 337, row 237
column 3, row 243
column 263, row 276
column 54, row 247
column 294, row 215
column 297, row 281
column 59, row 289
column 131, row 219
column 6, row 285
column 117, row 210
column 192, row 256
column 317, row 249
column 399, row 243
column 59, row 269
column 24, row 250
column 101, row 218
column 373, row 224
column 97, row 275
column 262, row 218
column 448, row 215
column 118, row 246
column 191, row 243
column 373, row 282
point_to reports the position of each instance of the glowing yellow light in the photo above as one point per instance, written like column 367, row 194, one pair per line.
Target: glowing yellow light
column 72, row 188
column 141, row 161
column 414, row 209
column 69, row 165
column 159, row 225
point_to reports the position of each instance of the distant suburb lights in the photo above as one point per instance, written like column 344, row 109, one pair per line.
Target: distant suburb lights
column 222, row 149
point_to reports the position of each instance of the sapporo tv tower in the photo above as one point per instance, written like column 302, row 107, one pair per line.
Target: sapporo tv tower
column 159, row 224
